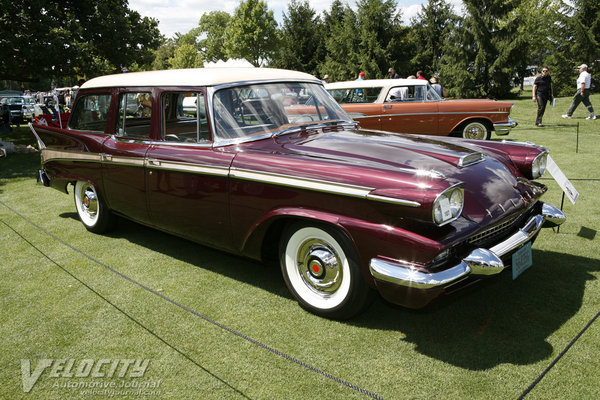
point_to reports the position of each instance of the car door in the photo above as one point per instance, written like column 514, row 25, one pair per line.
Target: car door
column 187, row 178
column 123, row 155
column 407, row 109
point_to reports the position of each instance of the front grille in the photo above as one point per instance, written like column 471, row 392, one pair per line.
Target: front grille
column 492, row 233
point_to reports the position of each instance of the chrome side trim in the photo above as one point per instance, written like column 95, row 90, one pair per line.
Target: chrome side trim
column 303, row 183
column 249, row 175
column 318, row 185
column 187, row 167
column 393, row 200
column 65, row 155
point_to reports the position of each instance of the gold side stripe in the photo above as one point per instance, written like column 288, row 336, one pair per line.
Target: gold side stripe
column 263, row 177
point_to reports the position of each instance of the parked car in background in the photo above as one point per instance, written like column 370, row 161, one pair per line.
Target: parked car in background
column 274, row 169
column 413, row 106
column 21, row 108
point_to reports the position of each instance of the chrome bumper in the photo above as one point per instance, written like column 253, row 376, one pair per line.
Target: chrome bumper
column 505, row 127
column 480, row 262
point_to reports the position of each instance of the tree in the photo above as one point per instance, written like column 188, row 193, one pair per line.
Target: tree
column 42, row 38
column 186, row 56
column 212, row 28
column 341, row 43
column 300, row 39
column 377, row 31
column 486, row 46
column 430, row 29
column 252, row 33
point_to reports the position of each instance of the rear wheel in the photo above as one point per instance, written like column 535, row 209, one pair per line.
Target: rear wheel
column 476, row 130
column 92, row 210
column 320, row 268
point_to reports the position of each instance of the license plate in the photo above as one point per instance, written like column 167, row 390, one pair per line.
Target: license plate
column 521, row 260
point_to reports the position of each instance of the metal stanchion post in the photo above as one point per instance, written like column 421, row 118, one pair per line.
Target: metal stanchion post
column 577, row 146
column 562, row 203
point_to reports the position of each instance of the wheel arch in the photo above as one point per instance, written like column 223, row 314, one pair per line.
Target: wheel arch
column 457, row 131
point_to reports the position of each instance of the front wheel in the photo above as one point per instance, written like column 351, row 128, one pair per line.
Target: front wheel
column 92, row 210
column 320, row 268
column 476, row 130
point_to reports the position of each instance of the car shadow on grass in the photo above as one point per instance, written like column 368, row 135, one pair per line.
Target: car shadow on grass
column 501, row 321
column 265, row 276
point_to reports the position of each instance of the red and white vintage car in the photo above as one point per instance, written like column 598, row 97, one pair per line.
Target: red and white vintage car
column 413, row 106
column 270, row 167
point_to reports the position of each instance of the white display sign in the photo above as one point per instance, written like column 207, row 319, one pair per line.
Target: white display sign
column 562, row 180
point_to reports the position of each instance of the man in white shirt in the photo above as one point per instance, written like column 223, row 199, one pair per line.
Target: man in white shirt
column 584, row 82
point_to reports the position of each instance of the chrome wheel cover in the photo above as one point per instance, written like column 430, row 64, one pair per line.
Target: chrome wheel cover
column 475, row 130
column 317, row 268
column 86, row 200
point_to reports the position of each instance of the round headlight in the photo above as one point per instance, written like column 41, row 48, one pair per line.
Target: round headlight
column 448, row 205
column 538, row 166
column 457, row 199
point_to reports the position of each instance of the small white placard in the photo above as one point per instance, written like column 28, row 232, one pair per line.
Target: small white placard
column 445, row 207
column 562, row 180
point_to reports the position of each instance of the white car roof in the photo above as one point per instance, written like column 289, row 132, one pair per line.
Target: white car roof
column 368, row 83
column 195, row 77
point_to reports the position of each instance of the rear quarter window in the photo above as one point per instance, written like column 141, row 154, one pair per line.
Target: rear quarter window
column 90, row 112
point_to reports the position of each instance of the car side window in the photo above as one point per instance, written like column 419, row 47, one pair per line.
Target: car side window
column 406, row 93
column 354, row 96
column 135, row 113
column 184, row 117
column 90, row 112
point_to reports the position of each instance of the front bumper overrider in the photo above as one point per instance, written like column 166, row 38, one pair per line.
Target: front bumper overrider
column 504, row 127
column 479, row 263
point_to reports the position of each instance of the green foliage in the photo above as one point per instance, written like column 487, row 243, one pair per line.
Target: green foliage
column 212, row 28
column 186, row 56
column 301, row 35
column 370, row 40
column 70, row 38
column 252, row 33
column 430, row 30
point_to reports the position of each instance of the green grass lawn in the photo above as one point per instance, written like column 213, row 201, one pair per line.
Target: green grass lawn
column 59, row 303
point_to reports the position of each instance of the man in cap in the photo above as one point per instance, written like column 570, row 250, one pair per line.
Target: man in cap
column 584, row 82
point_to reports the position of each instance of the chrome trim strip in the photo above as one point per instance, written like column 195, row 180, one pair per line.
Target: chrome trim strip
column 393, row 200
column 51, row 155
column 41, row 144
column 424, row 113
column 187, row 167
column 303, row 183
column 249, row 175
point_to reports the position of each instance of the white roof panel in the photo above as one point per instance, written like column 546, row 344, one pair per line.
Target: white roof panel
column 194, row 77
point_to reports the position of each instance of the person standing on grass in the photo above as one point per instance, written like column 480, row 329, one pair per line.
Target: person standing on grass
column 584, row 82
column 542, row 93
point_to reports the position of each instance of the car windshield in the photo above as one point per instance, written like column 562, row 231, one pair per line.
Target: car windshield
column 14, row 100
column 273, row 108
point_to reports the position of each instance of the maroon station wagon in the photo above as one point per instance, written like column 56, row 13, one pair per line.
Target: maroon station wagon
column 264, row 163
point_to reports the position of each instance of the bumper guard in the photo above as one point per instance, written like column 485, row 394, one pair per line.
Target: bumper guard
column 480, row 262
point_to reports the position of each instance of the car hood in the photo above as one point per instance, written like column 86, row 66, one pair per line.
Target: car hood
column 395, row 165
